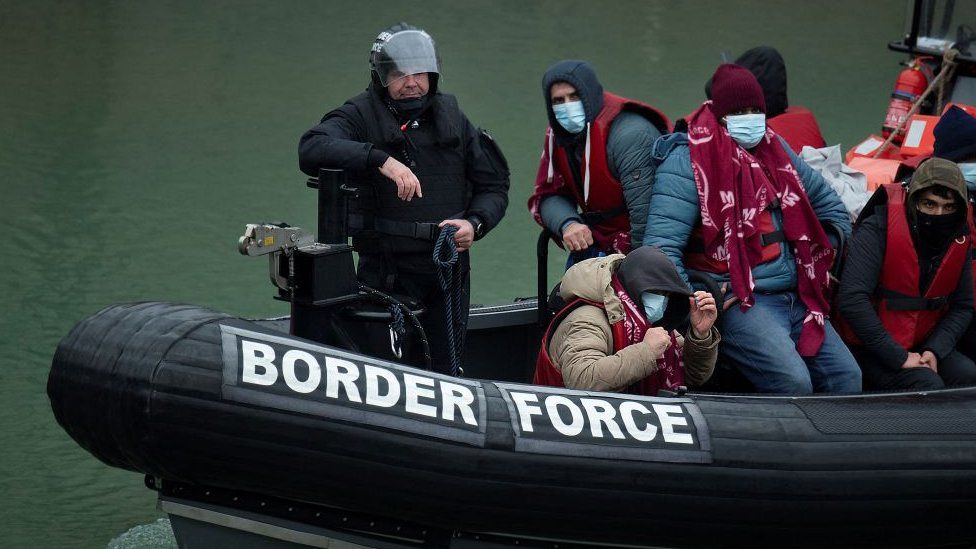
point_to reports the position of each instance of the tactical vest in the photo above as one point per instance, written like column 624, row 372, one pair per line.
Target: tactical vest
column 434, row 150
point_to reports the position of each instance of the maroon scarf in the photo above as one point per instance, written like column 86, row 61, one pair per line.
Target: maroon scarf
column 670, row 372
column 734, row 186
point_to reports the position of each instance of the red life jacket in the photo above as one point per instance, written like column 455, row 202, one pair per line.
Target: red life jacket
column 907, row 314
column 972, row 248
column 695, row 257
column 798, row 127
column 608, row 218
column 546, row 372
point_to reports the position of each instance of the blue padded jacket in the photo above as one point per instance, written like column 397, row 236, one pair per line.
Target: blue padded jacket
column 674, row 211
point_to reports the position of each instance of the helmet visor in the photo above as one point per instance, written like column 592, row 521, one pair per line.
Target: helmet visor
column 405, row 53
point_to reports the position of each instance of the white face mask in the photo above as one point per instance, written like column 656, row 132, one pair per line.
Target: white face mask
column 654, row 306
column 746, row 129
column 571, row 116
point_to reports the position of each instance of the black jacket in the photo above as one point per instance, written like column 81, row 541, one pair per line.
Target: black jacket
column 859, row 282
column 361, row 134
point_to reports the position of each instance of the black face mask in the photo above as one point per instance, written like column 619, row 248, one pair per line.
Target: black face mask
column 410, row 109
column 935, row 230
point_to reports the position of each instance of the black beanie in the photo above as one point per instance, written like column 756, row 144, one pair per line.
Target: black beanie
column 955, row 135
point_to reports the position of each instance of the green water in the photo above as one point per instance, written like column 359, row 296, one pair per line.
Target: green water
column 137, row 139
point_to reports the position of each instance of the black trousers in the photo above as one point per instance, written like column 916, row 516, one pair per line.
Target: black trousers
column 955, row 370
column 399, row 274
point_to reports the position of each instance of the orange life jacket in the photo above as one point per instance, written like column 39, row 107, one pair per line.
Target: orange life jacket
column 603, row 207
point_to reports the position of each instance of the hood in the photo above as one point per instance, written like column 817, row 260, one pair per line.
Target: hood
column 955, row 135
column 590, row 279
column 645, row 269
column 767, row 65
column 581, row 76
column 937, row 171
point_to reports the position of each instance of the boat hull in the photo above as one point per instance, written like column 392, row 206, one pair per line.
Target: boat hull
column 176, row 392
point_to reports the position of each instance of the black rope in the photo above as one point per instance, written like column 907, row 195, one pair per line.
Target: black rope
column 450, row 279
column 404, row 310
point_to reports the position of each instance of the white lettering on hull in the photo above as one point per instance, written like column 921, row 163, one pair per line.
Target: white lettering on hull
column 303, row 373
column 601, row 419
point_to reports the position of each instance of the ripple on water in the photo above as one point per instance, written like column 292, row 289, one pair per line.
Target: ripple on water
column 157, row 535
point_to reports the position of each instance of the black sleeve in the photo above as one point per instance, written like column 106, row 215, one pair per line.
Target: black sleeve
column 862, row 270
column 338, row 142
column 487, row 173
column 947, row 332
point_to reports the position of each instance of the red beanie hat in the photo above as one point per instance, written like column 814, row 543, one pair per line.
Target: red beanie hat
column 735, row 88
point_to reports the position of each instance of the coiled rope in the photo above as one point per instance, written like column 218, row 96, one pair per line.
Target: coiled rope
column 450, row 278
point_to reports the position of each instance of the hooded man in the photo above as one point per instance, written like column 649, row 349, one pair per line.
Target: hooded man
column 795, row 124
column 617, row 331
column 594, row 180
column 955, row 140
column 732, row 202
column 420, row 165
column 906, row 293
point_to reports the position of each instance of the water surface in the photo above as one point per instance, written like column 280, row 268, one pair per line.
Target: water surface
column 137, row 139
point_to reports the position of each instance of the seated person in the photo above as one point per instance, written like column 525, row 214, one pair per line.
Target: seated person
column 795, row 124
column 749, row 215
column 595, row 160
column 955, row 140
column 907, row 292
column 617, row 332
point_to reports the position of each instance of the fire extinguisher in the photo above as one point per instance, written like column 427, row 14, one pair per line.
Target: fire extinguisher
column 909, row 86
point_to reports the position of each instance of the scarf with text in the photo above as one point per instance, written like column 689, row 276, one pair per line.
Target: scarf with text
column 670, row 372
column 734, row 187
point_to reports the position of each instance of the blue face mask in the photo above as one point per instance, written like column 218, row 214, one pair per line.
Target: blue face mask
column 968, row 170
column 747, row 129
column 654, row 306
column 570, row 116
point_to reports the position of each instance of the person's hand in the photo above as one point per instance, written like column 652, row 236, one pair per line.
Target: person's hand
column 728, row 301
column 407, row 183
column 464, row 237
column 914, row 360
column 577, row 237
column 930, row 361
column 703, row 313
column 657, row 339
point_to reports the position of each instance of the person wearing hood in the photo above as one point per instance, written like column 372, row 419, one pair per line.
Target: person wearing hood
column 420, row 165
column 594, row 180
column 617, row 331
column 733, row 203
column 795, row 124
column 906, row 293
column 955, row 140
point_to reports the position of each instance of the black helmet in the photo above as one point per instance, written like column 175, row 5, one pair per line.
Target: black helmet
column 402, row 50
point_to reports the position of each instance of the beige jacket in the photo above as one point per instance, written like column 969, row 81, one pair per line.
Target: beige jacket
column 581, row 347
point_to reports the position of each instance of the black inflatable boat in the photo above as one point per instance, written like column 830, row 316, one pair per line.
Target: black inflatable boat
column 239, row 424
